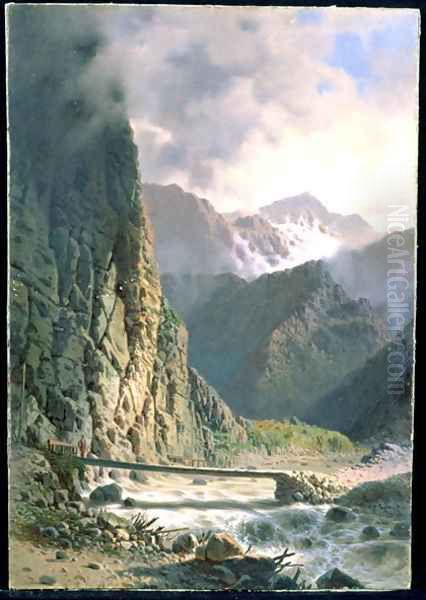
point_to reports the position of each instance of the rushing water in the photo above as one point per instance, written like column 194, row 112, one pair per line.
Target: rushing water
column 247, row 509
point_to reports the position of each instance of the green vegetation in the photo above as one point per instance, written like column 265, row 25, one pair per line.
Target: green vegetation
column 273, row 436
column 170, row 317
column 27, row 518
column 64, row 466
column 283, row 434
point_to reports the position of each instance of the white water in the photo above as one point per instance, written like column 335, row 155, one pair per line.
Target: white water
column 247, row 509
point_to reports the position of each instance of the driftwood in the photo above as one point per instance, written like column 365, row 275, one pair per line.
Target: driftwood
column 143, row 527
column 280, row 564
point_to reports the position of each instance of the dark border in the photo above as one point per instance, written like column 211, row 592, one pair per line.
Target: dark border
column 418, row 512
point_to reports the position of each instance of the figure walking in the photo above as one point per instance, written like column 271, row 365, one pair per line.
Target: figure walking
column 82, row 446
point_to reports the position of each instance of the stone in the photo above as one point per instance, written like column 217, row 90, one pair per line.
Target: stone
column 111, row 521
column 94, row 565
column 108, row 535
column 334, row 579
column 339, row 514
column 298, row 496
column 61, row 496
column 94, row 532
column 224, row 574
column 199, row 481
column 130, row 502
column 106, row 494
column 370, row 533
column 122, row 534
column 284, row 582
column 61, row 555
column 77, row 505
column 400, row 530
column 184, row 543
column 221, row 546
column 116, row 474
column 47, row 580
column 49, row 532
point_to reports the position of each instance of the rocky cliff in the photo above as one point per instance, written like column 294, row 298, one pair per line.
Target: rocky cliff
column 273, row 347
column 94, row 348
column 190, row 236
column 367, row 402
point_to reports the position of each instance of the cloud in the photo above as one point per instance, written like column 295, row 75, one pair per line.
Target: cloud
column 244, row 105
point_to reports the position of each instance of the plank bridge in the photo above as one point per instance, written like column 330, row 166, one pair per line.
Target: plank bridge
column 286, row 484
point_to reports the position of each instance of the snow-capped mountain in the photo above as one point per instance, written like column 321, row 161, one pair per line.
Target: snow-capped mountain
column 192, row 237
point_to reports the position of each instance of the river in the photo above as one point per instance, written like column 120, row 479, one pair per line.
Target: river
column 247, row 509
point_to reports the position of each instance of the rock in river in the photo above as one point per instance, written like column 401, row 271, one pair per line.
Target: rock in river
column 339, row 514
column 334, row 579
column 106, row 493
column 370, row 533
column 400, row 530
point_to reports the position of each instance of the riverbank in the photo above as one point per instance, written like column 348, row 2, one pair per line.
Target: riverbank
column 247, row 510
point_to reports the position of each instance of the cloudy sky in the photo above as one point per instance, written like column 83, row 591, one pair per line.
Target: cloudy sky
column 247, row 105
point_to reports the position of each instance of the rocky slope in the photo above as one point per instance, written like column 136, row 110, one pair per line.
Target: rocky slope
column 94, row 348
column 273, row 347
column 192, row 237
column 363, row 406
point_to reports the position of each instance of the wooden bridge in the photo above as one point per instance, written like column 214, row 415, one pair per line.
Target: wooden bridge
column 286, row 484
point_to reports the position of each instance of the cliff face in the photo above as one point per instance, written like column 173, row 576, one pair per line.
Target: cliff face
column 94, row 348
column 273, row 347
column 190, row 236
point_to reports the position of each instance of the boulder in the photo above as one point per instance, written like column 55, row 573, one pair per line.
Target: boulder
column 221, row 546
column 199, row 481
column 185, row 543
column 370, row 533
column 108, row 520
column 400, row 530
column 334, row 579
column 61, row 555
column 338, row 514
column 130, row 502
column 105, row 494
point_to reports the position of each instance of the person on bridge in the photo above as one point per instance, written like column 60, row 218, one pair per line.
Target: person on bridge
column 82, row 446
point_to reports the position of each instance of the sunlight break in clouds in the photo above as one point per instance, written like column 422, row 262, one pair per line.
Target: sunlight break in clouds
column 246, row 105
